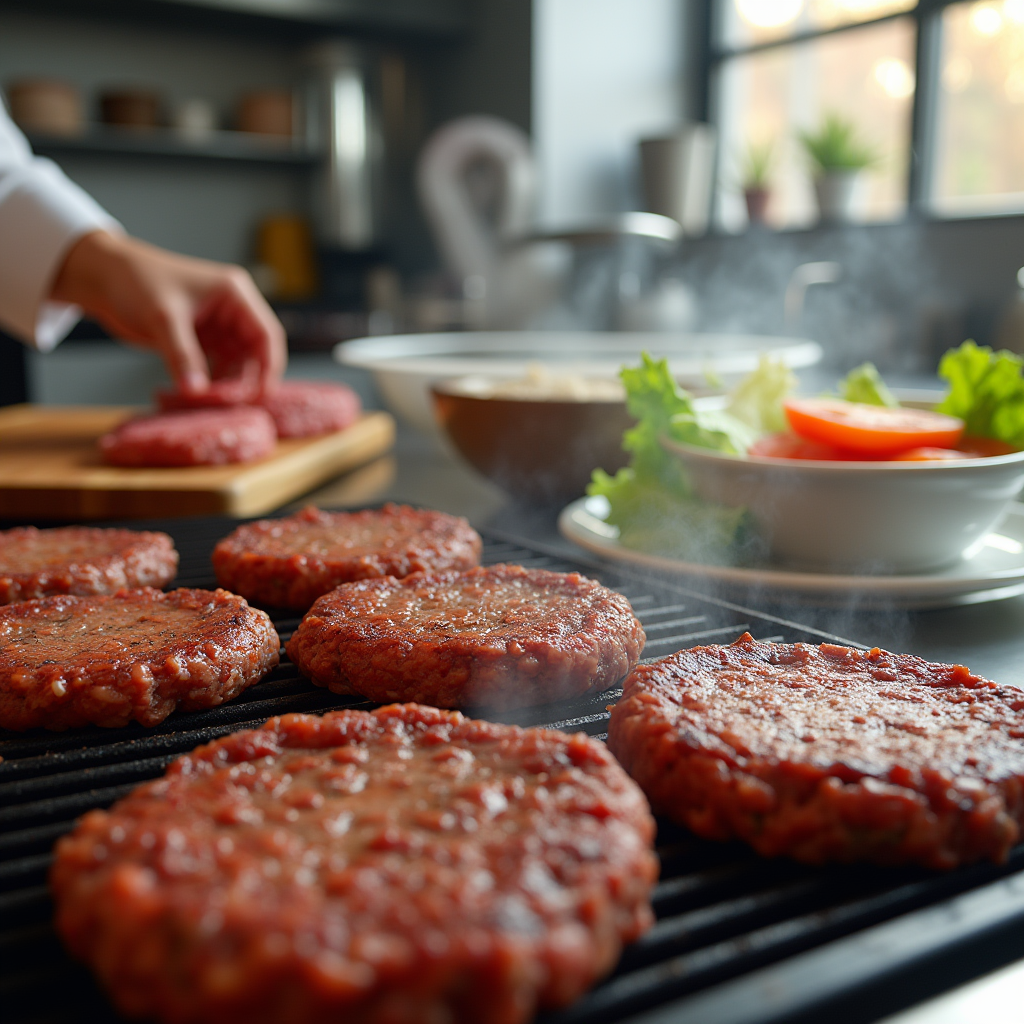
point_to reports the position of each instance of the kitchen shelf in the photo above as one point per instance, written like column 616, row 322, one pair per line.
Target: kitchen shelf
column 424, row 18
column 239, row 147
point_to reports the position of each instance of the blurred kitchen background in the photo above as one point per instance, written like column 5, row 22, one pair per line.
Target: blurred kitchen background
column 848, row 171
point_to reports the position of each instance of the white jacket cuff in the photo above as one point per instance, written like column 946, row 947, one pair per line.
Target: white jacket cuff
column 42, row 214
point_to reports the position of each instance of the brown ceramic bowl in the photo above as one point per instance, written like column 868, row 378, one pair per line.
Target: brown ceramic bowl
column 540, row 449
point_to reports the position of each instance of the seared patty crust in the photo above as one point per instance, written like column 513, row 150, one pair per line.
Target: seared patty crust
column 81, row 560
column 290, row 562
column 406, row 865
column 502, row 636
column 828, row 753
column 134, row 655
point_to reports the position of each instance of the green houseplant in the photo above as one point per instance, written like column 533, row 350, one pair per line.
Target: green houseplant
column 755, row 168
column 839, row 156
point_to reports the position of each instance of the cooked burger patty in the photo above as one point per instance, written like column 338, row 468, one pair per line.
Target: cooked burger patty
column 81, row 560
column 290, row 562
column 136, row 654
column 827, row 753
column 197, row 437
column 406, row 865
column 502, row 636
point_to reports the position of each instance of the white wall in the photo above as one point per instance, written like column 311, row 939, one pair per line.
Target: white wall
column 605, row 74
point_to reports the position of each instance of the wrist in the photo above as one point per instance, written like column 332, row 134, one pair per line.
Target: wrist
column 82, row 276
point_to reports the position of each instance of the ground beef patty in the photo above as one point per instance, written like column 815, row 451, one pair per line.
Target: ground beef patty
column 306, row 408
column 198, row 437
column 290, row 562
column 299, row 408
column 136, row 654
column 406, row 865
column 501, row 636
column 81, row 560
column 827, row 753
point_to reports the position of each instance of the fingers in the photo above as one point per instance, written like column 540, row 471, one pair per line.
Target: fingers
column 238, row 329
column 182, row 352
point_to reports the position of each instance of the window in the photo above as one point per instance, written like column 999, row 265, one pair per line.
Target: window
column 780, row 67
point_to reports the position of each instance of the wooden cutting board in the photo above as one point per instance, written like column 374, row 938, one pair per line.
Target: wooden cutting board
column 50, row 468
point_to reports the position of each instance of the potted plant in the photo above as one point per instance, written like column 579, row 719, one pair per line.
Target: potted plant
column 756, row 170
column 839, row 157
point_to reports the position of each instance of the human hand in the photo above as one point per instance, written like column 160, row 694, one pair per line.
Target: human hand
column 207, row 320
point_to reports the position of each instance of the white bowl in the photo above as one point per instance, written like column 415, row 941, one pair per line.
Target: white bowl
column 405, row 366
column 865, row 517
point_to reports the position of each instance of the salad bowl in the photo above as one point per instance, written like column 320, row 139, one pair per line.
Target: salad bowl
column 866, row 517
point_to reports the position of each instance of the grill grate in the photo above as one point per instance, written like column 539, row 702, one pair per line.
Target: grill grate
column 726, row 919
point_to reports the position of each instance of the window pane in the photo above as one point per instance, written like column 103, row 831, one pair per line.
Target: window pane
column 980, row 144
column 864, row 75
column 747, row 22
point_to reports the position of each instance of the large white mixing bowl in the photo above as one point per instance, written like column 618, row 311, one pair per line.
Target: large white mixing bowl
column 405, row 366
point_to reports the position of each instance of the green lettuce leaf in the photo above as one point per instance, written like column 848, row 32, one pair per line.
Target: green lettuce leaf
column 652, row 501
column 986, row 391
column 757, row 399
column 864, row 384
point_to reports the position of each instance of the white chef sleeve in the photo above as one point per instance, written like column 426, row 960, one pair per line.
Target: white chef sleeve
column 42, row 213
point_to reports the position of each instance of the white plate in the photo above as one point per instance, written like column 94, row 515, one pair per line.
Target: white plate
column 995, row 572
column 406, row 365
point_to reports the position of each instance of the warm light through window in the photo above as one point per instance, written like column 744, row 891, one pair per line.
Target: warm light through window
column 895, row 77
column 986, row 20
column 769, row 13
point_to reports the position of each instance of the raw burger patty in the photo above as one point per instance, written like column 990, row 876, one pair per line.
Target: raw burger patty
column 201, row 437
column 299, row 408
column 290, row 562
column 307, row 409
column 406, row 865
column 136, row 654
column 220, row 394
column 503, row 636
column 827, row 753
column 81, row 560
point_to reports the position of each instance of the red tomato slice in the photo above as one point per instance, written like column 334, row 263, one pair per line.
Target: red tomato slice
column 789, row 446
column 872, row 431
column 984, row 447
column 933, row 455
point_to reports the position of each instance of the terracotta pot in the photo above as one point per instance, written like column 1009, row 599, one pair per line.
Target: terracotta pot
column 267, row 112
column 46, row 105
column 130, row 108
column 757, row 204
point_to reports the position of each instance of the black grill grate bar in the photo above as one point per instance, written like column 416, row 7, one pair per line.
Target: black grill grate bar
column 24, row 870
column 33, row 840
column 684, row 638
column 80, row 779
column 59, row 807
column 689, row 620
column 665, row 609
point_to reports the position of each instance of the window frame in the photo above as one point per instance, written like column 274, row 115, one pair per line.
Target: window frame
column 927, row 18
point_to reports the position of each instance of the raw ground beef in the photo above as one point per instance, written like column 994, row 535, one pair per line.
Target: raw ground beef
column 501, row 636
column 303, row 408
column 220, row 394
column 403, row 865
column 828, row 753
column 290, row 562
column 134, row 655
column 81, row 560
column 299, row 408
column 199, row 437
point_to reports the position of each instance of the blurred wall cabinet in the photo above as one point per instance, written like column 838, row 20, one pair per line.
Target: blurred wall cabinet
column 203, row 192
